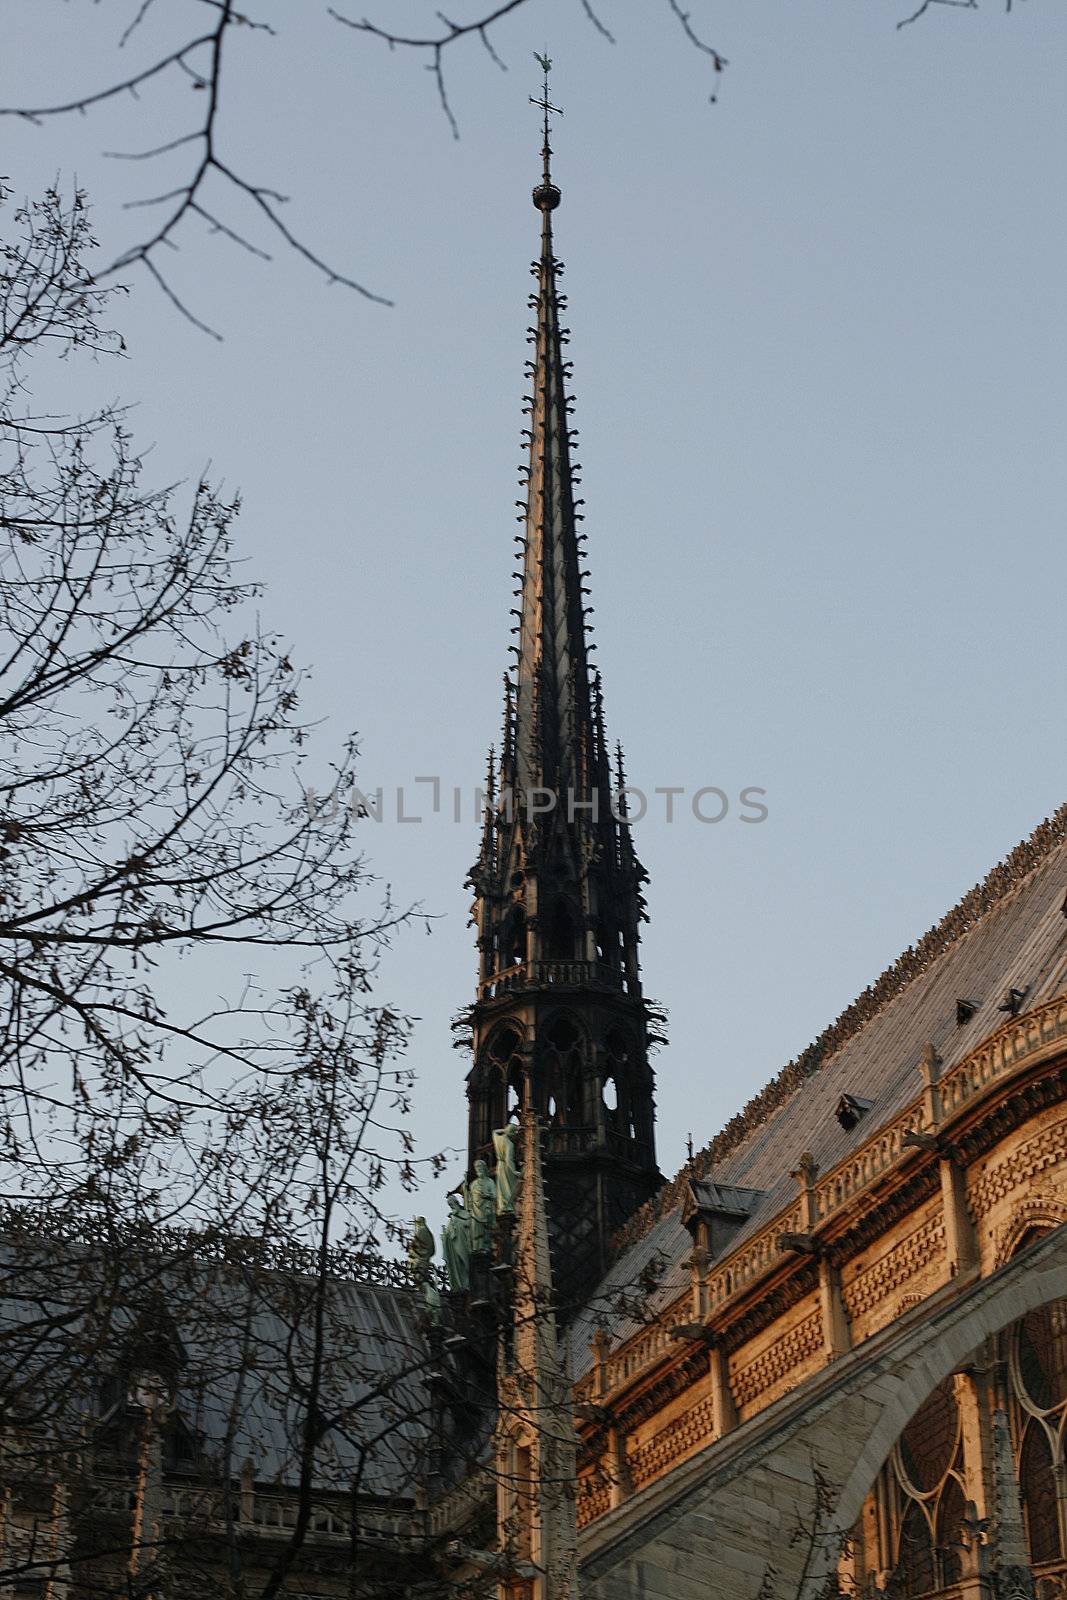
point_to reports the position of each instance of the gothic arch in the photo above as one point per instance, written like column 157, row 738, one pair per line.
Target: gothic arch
column 1041, row 1213
column 563, row 1056
column 502, row 1068
column 912, row 1381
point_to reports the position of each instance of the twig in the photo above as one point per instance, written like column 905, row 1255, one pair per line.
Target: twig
column 963, row 5
column 595, row 20
column 718, row 61
column 154, row 272
column 436, row 44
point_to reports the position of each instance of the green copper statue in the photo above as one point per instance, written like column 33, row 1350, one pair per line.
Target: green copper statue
column 507, row 1173
column 431, row 1299
column 456, row 1243
column 481, row 1203
column 420, row 1250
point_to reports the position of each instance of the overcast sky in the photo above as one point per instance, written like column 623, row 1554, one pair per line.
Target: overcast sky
column 820, row 368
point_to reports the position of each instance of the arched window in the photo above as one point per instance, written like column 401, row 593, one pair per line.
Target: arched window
column 562, row 1074
column 560, row 943
column 1037, row 1487
column 1042, row 1356
column 951, row 1510
column 505, row 1062
column 915, row 1573
column 928, row 1444
column 927, row 1497
column 1037, row 1352
column 618, row 1066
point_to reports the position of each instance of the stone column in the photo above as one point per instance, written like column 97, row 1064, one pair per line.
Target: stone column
column 805, row 1175
column 836, row 1333
column 698, row 1268
column 725, row 1412
column 1012, row 1577
column 961, row 1244
column 930, row 1069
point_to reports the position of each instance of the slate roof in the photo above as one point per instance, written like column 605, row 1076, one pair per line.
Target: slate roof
column 374, row 1381
column 235, row 1343
column 1010, row 930
column 376, row 1365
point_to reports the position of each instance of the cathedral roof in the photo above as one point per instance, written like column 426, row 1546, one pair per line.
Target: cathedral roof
column 1008, row 933
column 377, row 1364
column 233, row 1337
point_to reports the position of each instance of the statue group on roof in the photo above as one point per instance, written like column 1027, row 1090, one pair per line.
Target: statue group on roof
column 473, row 1209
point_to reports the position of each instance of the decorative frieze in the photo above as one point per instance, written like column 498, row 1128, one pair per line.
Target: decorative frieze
column 593, row 1498
column 679, row 1438
column 1019, row 1167
column 764, row 1377
column 871, row 1290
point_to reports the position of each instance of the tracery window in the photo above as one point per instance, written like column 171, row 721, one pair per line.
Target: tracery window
column 1037, row 1359
column 563, row 1075
column 617, row 1074
column 505, row 1066
column 916, row 1528
column 927, row 1493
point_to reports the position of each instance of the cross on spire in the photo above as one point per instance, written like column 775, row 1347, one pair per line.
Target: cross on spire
column 545, row 63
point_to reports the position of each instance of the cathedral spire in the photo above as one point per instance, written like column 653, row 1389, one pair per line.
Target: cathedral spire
column 560, row 1026
column 553, row 710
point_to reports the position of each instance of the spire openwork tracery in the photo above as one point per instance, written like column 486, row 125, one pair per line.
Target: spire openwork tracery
column 560, row 1025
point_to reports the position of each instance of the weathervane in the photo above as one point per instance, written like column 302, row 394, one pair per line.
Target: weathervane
column 547, row 191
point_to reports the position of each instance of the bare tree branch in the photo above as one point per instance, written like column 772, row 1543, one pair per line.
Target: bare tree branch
column 201, row 59
column 595, row 20
column 963, row 5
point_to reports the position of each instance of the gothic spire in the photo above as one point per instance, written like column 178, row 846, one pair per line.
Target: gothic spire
column 560, row 1025
column 553, row 711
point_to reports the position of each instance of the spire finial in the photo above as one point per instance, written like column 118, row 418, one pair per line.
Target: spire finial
column 546, row 195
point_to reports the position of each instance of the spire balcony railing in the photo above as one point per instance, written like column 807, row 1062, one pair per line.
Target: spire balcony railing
column 570, row 1141
column 562, row 1141
column 552, row 975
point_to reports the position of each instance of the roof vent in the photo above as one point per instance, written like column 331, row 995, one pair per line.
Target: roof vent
column 850, row 1108
column 1013, row 1001
column 965, row 1010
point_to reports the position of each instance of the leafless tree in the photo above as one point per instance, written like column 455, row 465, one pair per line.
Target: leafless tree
column 155, row 843
column 203, row 37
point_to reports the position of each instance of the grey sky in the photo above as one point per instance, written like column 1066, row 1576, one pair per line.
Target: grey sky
column 819, row 345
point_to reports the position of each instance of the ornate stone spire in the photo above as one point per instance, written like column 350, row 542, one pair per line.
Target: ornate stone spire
column 560, row 1024
column 553, row 715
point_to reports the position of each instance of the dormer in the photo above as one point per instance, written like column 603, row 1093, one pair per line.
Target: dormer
column 714, row 1213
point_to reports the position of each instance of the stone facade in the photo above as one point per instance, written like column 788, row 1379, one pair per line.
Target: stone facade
column 922, row 1254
